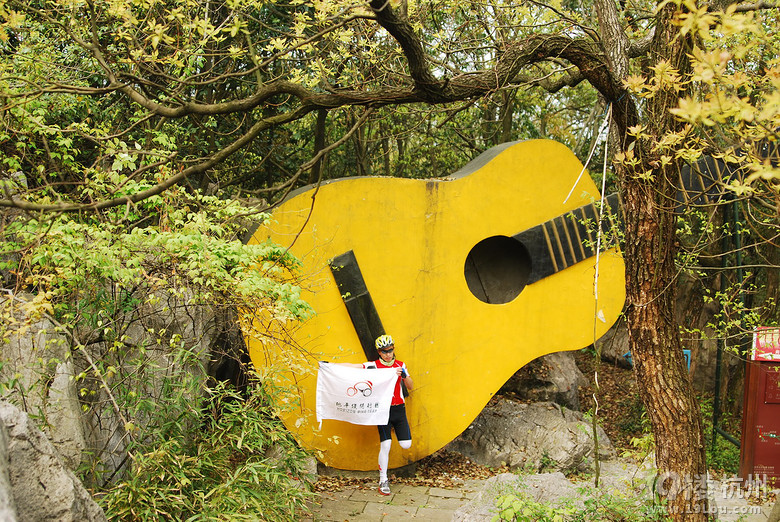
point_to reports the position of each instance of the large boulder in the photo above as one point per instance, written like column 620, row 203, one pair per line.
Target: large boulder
column 628, row 481
column 544, row 488
column 533, row 437
column 554, row 377
column 39, row 360
column 630, row 485
column 65, row 426
column 35, row 483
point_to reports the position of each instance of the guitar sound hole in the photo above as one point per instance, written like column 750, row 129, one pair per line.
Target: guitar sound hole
column 497, row 269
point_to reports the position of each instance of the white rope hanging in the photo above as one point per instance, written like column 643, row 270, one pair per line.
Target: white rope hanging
column 601, row 136
column 598, row 313
column 605, row 131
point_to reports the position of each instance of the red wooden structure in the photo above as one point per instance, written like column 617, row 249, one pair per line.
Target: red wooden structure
column 760, row 448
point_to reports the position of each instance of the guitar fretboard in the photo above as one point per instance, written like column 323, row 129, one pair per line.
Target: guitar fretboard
column 567, row 239
column 357, row 299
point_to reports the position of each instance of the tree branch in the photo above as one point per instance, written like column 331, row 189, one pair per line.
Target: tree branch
column 161, row 187
column 419, row 69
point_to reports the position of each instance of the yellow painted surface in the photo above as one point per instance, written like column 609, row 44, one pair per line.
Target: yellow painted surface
column 411, row 239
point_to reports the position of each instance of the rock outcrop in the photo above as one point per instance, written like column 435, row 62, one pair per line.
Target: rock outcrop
column 534, row 437
column 35, row 483
column 554, row 377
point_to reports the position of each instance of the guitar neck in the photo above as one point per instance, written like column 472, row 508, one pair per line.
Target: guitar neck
column 569, row 238
column 365, row 318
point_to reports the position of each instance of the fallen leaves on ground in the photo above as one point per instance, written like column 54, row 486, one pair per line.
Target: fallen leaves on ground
column 443, row 469
column 619, row 406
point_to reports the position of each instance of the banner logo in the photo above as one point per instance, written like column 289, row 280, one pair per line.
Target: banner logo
column 363, row 387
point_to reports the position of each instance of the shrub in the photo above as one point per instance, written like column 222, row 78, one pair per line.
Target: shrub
column 241, row 464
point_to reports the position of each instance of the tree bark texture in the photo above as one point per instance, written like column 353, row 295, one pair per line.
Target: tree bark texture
column 654, row 334
column 661, row 372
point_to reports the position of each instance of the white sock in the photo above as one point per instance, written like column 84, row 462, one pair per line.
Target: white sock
column 384, row 458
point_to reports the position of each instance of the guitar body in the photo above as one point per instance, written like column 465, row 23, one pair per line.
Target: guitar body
column 411, row 239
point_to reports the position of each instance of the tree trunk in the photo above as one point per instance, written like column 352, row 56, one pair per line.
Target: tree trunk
column 654, row 335
column 507, row 115
column 650, row 249
column 319, row 144
column 662, row 375
column 361, row 159
column 386, row 167
column 400, row 144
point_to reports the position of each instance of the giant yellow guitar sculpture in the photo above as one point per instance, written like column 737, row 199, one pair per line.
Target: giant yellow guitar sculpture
column 474, row 276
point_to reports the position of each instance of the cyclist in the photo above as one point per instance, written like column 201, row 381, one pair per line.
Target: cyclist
column 397, row 421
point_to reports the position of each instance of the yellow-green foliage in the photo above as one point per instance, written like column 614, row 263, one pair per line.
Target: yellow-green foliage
column 194, row 450
column 240, row 465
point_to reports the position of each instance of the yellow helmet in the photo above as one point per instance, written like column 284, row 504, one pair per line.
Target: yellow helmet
column 383, row 341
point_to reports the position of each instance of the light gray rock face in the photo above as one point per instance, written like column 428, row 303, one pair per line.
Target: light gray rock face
column 533, row 437
column 37, row 360
column 40, row 486
column 30, row 354
column 545, row 487
column 168, row 323
column 39, row 365
column 7, row 506
column 64, row 418
column 624, row 483
column 620, row 479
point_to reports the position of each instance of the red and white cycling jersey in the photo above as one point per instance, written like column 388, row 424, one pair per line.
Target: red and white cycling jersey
column 398, row 396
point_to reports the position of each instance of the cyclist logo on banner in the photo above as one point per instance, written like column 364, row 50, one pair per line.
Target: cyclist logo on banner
column 363, row 388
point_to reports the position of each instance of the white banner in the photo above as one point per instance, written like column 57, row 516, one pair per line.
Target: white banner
column 355, row 395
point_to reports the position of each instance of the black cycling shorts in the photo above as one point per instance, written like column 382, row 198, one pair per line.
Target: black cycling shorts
column 398, row 422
